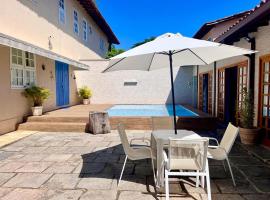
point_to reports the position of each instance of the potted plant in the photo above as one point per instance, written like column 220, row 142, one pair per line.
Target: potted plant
column 37, row 95
column 248, row 133
column 85, row 93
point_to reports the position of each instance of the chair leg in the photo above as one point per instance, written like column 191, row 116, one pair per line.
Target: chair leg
column 202, row 181
column 124, row 165
column 208, row 182
column 227, row 159
column 153, row 168
column 167, row 184
column 224, row 166
column 197, row 179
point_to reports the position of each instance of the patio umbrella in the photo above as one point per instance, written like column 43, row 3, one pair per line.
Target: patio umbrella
column 173, row 50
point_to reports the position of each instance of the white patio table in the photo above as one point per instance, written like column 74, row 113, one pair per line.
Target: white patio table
column 159, row 140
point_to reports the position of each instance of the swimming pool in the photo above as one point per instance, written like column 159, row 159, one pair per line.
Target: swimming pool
column 149, row 110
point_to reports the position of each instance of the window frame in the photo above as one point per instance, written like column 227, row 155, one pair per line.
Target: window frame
column 60, row 9
column 85, row 29
column 76, row 22
column 24, row 69
column 101, row 44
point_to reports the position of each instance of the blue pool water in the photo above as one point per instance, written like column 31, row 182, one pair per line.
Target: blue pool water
column 149, row 110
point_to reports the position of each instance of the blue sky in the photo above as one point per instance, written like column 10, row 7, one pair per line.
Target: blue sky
column 134, row 20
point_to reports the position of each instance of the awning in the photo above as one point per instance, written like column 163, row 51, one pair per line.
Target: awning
column 19, row 44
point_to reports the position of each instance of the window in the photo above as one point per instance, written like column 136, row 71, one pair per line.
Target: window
column 89, row 29
column 85, row 33
column 75, row 22
column 101, row 44
column 23, row 71
column 62, row 15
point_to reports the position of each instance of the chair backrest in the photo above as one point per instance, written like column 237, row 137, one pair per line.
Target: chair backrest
column 124, row 140
column 162, row 123
column 188, row 152
column 229, row 137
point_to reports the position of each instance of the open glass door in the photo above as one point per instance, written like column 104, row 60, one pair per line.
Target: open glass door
column 264, row 104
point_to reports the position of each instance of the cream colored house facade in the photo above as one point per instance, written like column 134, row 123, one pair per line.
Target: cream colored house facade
column 39, row 37
column 228, row 77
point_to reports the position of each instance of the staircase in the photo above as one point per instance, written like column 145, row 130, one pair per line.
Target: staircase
column 80, row 124
column 55, row 124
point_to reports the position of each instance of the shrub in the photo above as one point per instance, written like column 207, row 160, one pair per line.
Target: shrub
column 247, row 110
column 85, row 92
column 37, row 95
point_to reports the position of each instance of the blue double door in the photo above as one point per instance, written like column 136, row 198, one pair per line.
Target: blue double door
column 62, row 83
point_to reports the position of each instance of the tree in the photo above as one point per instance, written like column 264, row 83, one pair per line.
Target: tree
column 114, row 51
column 145, row 41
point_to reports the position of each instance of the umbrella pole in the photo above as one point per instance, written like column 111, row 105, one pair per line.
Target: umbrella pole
column 173, row 97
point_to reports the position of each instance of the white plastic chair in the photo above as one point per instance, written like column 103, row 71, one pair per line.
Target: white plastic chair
column 134, row 152
column 222, row 150
column 190, row 158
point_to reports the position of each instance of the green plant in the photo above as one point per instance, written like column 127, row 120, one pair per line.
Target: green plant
column 85, row 92
column 37, row 95
column 247, row 110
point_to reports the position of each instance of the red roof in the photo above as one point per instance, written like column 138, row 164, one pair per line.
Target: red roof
column 253, row 16
column 209, row 25
column 93, row 11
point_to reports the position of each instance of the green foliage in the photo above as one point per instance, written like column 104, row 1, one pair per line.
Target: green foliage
column 114, row 52
column 37, row 95
column 247, row 110
column 85, row 92
column 143, row 42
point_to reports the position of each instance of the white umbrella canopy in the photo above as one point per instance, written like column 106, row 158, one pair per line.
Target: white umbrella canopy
column 173, row 50
column 185, row 51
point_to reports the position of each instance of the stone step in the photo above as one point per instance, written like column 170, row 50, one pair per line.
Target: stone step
column 54, row 126
column 57, row 119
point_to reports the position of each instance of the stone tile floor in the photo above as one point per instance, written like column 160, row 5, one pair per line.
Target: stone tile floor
column 84, row 166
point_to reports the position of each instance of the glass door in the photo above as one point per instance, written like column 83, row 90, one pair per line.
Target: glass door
column 264, row 92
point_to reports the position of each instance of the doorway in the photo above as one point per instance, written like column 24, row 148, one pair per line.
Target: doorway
column 231, row 80
column 62, row 83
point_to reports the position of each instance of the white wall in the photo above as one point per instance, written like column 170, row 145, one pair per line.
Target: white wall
column 152, row 88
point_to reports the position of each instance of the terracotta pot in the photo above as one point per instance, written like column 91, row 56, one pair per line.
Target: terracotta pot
column 249, row 136
column 37, row 111
column 86, row 101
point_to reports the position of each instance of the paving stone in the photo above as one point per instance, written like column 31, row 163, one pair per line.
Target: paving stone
column 57, row 150
column 4, row 155
column 189, row 185
column 25, row 194
column 11, row 166
column 134, row 195
column 132, row 182
column 88, row 157
column 63, row 181
column 189, row 196
column 96, row 182
column 32, row 157
column 34, row 167
column 107, row 158
column 4, row 177
column 226, row 197
column 262, row 184
column 246, row 161
column 12, row 148
column 89, row 168
column 63, row 194
column 34, row 150
column 99, row 195
column 57, row 157
column 5, row 191
column 116, row 168
column 255, row 172
column 145, row 170
column 226, row 186
column 79, row 150
column 260, row 151
column 27, row 180
column 15, row 158
column 257, row 196
column 61, row 167
column 218, row 172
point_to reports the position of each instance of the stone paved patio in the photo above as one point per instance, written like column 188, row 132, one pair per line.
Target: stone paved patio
column 83, row 166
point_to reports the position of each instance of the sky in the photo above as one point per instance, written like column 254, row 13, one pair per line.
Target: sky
column 133, row 21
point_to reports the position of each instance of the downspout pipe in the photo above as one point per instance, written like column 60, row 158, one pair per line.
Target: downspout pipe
column 252, row 62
